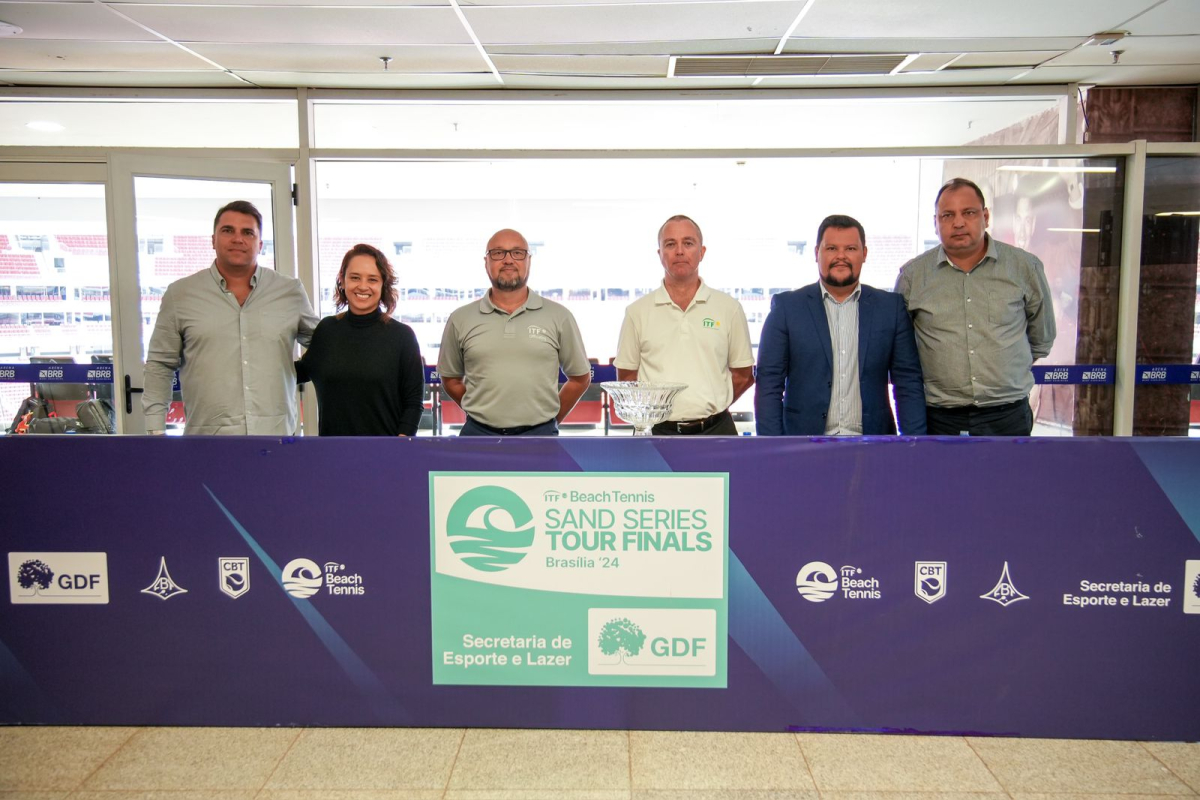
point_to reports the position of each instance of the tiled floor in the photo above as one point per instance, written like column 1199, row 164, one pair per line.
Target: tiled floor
column 404, row 764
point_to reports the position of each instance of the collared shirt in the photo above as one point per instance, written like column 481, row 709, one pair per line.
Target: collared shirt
column 845, row 398
column 979, row 332
column 696, row 345
column 510, row 362
column 235, row 361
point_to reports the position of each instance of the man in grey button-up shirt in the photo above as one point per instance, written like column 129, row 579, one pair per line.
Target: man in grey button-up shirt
column 231, row 331
column 983, row 314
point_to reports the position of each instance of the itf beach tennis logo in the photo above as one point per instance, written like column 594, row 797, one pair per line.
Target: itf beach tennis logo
column 58, row 578
column 816, row 581
column 1005, row 592
column 1191, row 588
column 490, row 528
column 302, row 578
column 929, row 579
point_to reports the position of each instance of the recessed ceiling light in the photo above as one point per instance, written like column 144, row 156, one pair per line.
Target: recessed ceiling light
column 8, row 29
column 1178, row 214
column 45, row 126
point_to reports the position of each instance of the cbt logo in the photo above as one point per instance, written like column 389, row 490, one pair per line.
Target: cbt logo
column 490, row 528
column 930, row 580
column 234, row 576
column 58, row 578
column 652, row 641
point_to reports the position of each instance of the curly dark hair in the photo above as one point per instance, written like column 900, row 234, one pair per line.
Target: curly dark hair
column 387, row 295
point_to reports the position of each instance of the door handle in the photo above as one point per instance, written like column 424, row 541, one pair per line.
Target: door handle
column 130, row 389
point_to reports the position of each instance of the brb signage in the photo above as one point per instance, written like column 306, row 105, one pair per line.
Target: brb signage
column 58, row 578
column 581, row 579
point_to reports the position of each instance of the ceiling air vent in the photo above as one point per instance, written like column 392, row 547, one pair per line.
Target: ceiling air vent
column 798, row 65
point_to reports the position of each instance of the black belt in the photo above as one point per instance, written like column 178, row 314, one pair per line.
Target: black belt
column 692, row 426
column 1000, row 407
column 517, row 431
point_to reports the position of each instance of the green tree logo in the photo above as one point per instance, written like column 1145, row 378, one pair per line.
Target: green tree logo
column 490, row 528
column 621, row 637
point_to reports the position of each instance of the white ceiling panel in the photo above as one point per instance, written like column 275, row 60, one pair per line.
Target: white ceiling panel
column 76, row 54
column 195, row 79
column 1171, row 18
column 980, row 77
column 633, row 23
column 124, row 5
column 936, row 18
column 929, row 45
column 596, row 82
column 360, row 59
column 304, row 25
column 698, row 47
column 646, row 66
column 1020, row 58
column 1137, row 51
column 272, row 80
column 1115, row 76
column 71, row 21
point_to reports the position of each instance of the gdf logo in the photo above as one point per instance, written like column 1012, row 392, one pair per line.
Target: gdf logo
column 490, row 528
column 58, row 578
column 652, row 641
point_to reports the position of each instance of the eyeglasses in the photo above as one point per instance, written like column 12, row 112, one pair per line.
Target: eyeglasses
column 498, row 254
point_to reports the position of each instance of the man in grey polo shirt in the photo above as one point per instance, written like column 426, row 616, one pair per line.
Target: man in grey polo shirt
column 231, row 331
column 983, row 314
column 500, row 357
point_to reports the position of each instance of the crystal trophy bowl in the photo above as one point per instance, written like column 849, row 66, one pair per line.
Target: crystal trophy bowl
column 642, row 403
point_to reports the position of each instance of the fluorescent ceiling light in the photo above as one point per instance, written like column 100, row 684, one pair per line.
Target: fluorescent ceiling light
column 45, row 126
column 1074, row 230
column 1009, row 168
column 1178, row 214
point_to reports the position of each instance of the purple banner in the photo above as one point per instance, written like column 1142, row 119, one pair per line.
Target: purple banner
column 1026, row 587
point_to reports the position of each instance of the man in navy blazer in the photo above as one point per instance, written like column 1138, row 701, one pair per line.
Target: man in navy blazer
column 827, row 351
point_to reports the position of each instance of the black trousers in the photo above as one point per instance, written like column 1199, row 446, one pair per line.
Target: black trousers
column 720, row 424
column 1010, row 419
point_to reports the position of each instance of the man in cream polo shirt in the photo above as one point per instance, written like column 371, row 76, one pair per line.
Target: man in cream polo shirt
column 686, row 332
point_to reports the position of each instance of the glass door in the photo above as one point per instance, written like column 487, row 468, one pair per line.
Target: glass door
column 163, row 210
column 55, row 303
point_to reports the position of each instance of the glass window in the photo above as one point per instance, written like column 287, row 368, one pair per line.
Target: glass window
column 1167, row 398
column 142, row 123
column 1067, row 212
column 54, row 288
column 676, row 123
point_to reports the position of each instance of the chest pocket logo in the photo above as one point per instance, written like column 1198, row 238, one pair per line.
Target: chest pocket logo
column 709, row 322
column 540, row 334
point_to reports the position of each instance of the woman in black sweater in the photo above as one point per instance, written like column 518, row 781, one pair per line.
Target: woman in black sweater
column 366, row 366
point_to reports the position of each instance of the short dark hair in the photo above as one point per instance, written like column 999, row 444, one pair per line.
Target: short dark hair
column 680, row 218
column 841, row 221
column 387, row 293
column 241, row 207
column 959, row 183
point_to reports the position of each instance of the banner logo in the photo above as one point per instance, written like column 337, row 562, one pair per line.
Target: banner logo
column 816, row 581
column 652, row 641
column 302, row 578
column 58, row 578
column 234, row 576
column 929, row 578
column 1005, row 592
column 490, row 528
column 163, row 587
column 1191, row 588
